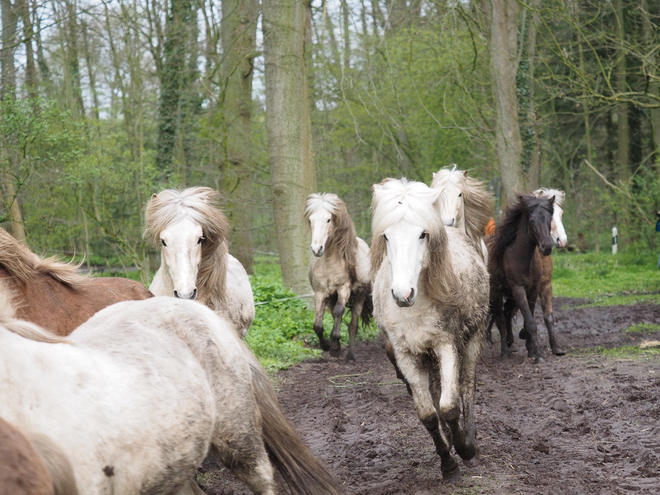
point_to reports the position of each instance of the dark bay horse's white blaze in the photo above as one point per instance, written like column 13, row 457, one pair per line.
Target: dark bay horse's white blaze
column 464, row 203
column 192, row 234
column 137, row 394
column 557, row 230
column 431, row 299
column 338, row 271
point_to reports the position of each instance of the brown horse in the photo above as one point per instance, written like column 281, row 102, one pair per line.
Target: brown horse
column 515, row 267
column 52, row 294
column 34, row 466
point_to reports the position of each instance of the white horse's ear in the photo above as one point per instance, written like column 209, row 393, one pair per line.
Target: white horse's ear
column 453, row 168
column 465, row 174
column 552, row 200
column 154, row 196
column 434, row 173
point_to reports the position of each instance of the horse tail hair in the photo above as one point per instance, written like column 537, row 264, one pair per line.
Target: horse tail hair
column 57, row 464
column 367, row 308
column 302, row 471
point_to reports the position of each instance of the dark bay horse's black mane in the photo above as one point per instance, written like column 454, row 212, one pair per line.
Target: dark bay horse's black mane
column 505, row 233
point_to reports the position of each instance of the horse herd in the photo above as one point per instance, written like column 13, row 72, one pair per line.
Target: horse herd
column 109, row 390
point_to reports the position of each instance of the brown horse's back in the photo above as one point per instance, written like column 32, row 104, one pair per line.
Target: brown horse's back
column 22, row 471
column 62, row 308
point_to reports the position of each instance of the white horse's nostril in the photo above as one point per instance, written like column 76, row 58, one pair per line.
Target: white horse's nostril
column 176, row 294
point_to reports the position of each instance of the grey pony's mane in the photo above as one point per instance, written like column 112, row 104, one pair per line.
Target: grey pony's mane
column 343, row 239
column 477, row 200
column 199, row 204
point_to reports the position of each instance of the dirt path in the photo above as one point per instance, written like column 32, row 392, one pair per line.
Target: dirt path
column 582, row 423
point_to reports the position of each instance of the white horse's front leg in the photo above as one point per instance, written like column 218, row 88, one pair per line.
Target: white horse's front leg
column 417, row 377
column 450, row 407
column 343, row 294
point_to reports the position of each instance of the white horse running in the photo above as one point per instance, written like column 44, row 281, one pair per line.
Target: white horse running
column 195, row 263
column 464, row 203
column 338, row 271
column 137, row 394
column 431, row 298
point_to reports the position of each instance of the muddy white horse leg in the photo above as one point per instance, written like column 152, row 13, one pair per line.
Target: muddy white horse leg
column 319, row 309
column 417, row 377
column 356, row 311
column 466, row 444
column 343, row 294
column 248, row 460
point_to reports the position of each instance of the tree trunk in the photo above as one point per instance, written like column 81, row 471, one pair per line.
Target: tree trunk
column 533, row 169
column 623, row 132
column 239, row 28
column 9, row 154
column 289, row 134
column 172, row 77
column 653, row 84
column 28, row 33
column 504, row 64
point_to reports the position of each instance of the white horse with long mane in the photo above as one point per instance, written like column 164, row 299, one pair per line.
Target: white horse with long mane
column 137, row 395
column 431, row 298
column 338, row 271
column 464, row 203
column 195, row 263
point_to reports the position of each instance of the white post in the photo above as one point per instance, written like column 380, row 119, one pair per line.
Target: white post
column 615, row 240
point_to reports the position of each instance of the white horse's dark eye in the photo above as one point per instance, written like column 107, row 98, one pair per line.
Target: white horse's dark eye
column 423, row 236
column 163, row 242
column 328, row 220
column 460, row 195
column 201, row 240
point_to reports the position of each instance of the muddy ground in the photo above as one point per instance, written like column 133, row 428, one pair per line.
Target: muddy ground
column 581, row 423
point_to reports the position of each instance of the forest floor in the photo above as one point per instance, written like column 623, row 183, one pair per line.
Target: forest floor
column 587, row 422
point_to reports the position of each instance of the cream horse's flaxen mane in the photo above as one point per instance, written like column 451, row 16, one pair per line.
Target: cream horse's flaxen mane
column 22, row 264
column 414, row 202
column 343, row 239
column 200, row 205
column 477, row 201
column 560, row 196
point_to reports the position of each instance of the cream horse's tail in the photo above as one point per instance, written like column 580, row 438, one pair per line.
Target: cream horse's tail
column 302, row 471
column 56, row 463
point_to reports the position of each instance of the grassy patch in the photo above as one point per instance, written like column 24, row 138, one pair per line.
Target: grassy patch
column 643, row 328
column 282, row 334
column 625, row 351
column 605, row 280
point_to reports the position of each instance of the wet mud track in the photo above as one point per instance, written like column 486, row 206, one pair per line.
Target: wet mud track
column 581, row 423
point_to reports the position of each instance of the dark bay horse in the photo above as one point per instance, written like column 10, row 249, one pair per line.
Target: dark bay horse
column 515, row 267
column 52, row 294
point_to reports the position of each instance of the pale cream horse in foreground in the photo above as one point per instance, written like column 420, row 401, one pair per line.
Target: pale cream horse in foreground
column 431, row 298
column 192, row 233
column 137, row 395
column 464, row 203
column 338, row 271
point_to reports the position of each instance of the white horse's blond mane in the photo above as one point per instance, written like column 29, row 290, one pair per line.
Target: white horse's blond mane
column 322, row 201
column 560, row 196
column 200, row 205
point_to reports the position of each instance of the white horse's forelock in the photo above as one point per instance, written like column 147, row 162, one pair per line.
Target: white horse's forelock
column 321, row 201
column 560, row 196
column 398, row 199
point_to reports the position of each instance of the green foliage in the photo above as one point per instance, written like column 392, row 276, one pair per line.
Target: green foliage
column 643, row 328
column 604, row 279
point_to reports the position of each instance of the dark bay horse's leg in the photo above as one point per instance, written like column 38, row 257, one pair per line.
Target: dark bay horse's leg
column 545, row 292
column 500, row 321
column 319, row 309
column 510, row 309
column 390, row 355
column 526, row 303
column 343, row 294
column 356, row 311
column 424, row 378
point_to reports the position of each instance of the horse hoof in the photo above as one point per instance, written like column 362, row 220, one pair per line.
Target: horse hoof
column 466, row 452
column 451, row 473
column 325, row 346
column 523, row 334
column 538, row 360
column 558, row 352
column 350, row 358
column 335, row 349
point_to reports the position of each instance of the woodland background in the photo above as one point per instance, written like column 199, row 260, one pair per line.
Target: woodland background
column 105, row 102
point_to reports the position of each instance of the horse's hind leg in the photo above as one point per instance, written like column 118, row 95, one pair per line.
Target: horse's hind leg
column 500, row 322
column 356, row 310
column 509, row 312
column 248, row 460
column 546, row 305
column 343, row 294
column 417, row 376
column 319, row 309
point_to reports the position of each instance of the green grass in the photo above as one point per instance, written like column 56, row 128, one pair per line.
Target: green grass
column 605, row 280
column 282, row 334
column 624, row 352
column 643, row 328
